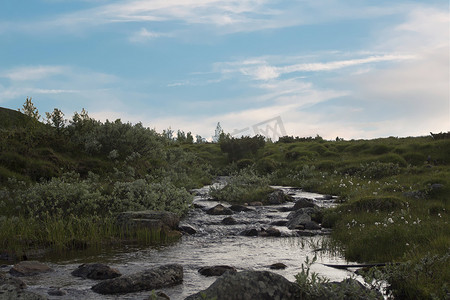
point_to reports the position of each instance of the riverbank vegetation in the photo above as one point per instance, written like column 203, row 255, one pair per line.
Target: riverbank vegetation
column 393, row 192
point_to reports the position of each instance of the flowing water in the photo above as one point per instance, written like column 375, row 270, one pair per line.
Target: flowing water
column 213, row 244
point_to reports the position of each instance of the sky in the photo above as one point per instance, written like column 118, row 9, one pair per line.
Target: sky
column 354, row 69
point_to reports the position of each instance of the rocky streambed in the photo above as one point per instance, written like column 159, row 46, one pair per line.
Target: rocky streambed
column 217, row 237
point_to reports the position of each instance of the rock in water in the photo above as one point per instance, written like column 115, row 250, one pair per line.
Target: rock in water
column 95, row 271
column 249, row 285
column 229, row 221
column 14, row 288
column 147, row 280
column 278, row 197
column 215, row 270
column 29, row 268
column 302, row 203
column 219, row 209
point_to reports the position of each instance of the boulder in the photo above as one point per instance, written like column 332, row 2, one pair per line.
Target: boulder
column 315, row 213
column 271, row 231
column 256, row 203
column 155, row 220
column 297, row 219
column 250, row 285
column 219, row 209
column 278, row 197
column 239, row 208
column 216, row 270
column 187, row 229
column 155, row 278
column 229, row 221
column 302, row 203
column 312, row 226
column 279, row 223
column 29, row 268
column 95, row 271
column 14, row 288
column 277, row 266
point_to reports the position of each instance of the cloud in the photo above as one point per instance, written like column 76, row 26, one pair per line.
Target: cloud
column 144, row 35
column 32, row 72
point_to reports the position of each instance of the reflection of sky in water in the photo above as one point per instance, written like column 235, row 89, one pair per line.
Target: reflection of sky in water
column 215, row 244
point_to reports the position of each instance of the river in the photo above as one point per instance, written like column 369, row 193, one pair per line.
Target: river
column 213, row 244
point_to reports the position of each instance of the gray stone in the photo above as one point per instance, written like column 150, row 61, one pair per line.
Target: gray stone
column 29, row 268
column 229, row 221
column 298, row 219
column 216, row 270
column 57, row 292
column 302, row 203
column 271, row 231
column 249, row 285
column 250, row 232
column 95, row 271
column 187, row 229
column 14, row 288
column 155, row 278
column 278, row 197
column 219, row 209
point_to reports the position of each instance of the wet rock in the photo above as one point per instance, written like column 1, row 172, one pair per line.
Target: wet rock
column 14, row 288
column 155, row 278
column 29, row 268
column 279, row 223
column 154, row 220
column 187, row 229
column 277, row 266
column 255, row 203
column 299, row 218
column 315, row 213
column 302, row 203
column 250, row 285
column 312, row 226
column 278, row 197
column 239, row 208
column 229, row 221
column 284, row 209
column 95, row 271
column 250, row 232
column 216, row 270
column 219, row 209
column 57, row 292
column 271, row 231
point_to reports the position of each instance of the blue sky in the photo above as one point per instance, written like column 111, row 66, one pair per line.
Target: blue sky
column 353, row 69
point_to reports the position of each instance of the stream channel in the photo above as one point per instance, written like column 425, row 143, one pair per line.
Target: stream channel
column 213, row 244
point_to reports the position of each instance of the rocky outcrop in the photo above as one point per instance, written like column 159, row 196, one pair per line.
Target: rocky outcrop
column 14, row 288
column 96, row 271
column 219, row 209
column 29, row 268
column 262, row 232
column 216, row 270
column 154, row 220
column 250, row 285
column 147, row 280
column 305, row 218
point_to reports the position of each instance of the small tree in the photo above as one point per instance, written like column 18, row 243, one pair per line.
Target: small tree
column 56, row 119
column 217, row 133
column 30, row 110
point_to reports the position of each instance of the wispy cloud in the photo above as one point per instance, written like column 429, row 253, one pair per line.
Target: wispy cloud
column 32, row 72
column 265, row 70
column 144, row 35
